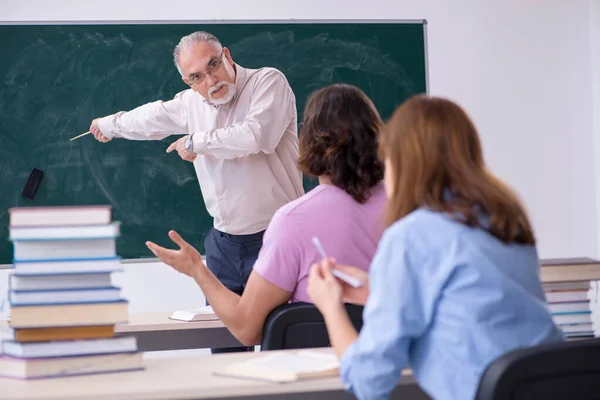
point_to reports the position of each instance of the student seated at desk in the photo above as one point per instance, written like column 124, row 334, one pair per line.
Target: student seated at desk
column 455, row 280
column 338, row 143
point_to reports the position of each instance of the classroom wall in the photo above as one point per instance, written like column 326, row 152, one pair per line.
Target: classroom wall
column 595, row 51
column 150, row 286
column 523, row 70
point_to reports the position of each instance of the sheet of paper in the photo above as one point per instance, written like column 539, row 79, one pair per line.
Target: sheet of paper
column 295, row 362
column 202, row 310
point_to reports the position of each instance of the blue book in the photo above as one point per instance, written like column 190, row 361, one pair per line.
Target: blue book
column 67, row 266
column 64, row 296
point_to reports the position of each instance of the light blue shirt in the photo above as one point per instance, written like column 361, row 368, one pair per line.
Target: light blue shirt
column 445, row 300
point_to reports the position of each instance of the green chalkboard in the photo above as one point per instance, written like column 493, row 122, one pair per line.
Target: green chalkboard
column 56, row 78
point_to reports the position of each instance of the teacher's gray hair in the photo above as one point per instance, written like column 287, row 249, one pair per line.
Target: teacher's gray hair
column 191, row 40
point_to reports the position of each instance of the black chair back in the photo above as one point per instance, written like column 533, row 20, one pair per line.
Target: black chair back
column 301, row 326
column 569, row 370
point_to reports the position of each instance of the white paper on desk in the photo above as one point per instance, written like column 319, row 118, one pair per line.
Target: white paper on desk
column 284, row 367
column 300, row 362
column 205, row 313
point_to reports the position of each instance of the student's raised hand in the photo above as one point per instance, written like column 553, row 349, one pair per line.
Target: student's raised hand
column 324, row 289
column 96, row 132
column 185, row 260
column 179, row 145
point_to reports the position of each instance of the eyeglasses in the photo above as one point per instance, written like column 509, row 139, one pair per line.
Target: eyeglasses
column 212, row 68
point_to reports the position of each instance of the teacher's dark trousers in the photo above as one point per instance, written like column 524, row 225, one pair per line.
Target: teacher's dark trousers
column 231, row 258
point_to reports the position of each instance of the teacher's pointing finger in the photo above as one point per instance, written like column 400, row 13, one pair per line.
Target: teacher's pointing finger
column 172, row 147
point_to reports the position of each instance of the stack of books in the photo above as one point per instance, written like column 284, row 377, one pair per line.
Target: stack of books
column 567, row 285
column 63, row 305
column 569, row 304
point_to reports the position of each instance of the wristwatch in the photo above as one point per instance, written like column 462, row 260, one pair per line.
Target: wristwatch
column 189, row 144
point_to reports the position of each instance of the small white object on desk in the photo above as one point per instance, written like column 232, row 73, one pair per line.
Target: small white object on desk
column 283, row 367
column 205, row 313
column 350, row 280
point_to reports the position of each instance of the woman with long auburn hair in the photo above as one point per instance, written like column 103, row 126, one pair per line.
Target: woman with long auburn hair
column 455, row 280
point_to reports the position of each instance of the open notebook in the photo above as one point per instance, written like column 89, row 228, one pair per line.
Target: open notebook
column 205, row 313
column 282, row 367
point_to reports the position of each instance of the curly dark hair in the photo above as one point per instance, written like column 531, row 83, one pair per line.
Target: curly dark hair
column 338, row 139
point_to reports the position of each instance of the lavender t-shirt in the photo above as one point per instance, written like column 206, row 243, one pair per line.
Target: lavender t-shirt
column 348, row 231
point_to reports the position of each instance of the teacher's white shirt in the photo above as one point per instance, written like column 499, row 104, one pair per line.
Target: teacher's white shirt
column 247, row 149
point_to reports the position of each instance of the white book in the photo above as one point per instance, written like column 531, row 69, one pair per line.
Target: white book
column 95, row 295
column 70, row 267
column 62, row 215
column 65, row 232
column 205, row 313
column 567, row 296
column 67, row 366
column 562, row 308
column 574, row 328
column 58, row 282
column 65, row 348
column 286, row 366
column 569, row 319
column 64, row 249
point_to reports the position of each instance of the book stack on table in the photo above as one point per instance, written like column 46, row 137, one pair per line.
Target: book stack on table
column 63, row 304
column 568, row 287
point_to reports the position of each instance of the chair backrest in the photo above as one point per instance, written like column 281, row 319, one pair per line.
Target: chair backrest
column 568, row 370
column 301, row 326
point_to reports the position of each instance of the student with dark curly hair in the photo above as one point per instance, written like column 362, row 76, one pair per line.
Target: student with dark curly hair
column 338, row 144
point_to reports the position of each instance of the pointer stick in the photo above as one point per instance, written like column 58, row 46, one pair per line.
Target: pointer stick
column 77, row 137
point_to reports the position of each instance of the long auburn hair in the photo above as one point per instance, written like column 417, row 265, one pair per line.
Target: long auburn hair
column 435, row 158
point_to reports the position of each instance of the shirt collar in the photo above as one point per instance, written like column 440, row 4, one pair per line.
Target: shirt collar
column 241, row 76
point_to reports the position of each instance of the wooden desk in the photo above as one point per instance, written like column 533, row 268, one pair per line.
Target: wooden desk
column 155, row 331
column 183, row 378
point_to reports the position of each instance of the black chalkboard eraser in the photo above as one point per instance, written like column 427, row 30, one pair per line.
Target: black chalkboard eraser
column 32, row 183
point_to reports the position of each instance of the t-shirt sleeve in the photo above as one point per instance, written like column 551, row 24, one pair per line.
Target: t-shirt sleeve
column 279, row 259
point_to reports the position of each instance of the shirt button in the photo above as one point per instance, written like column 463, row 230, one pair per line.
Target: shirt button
column 221, row 197
column 226, row 222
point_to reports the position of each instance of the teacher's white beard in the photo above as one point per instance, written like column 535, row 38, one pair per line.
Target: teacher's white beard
column 225, row 99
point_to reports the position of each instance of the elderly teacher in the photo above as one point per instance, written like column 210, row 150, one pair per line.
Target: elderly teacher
column 240, row 131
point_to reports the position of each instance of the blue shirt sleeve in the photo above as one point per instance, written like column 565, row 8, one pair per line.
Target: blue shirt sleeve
column 399, row 308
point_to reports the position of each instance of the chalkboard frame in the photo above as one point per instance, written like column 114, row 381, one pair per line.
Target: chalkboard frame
column 247, row 21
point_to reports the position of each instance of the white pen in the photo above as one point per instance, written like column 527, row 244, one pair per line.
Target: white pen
column 350, row 280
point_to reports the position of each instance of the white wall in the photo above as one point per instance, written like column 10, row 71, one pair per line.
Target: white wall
column 595, row 52
column 150, row 286
column 522, row 69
